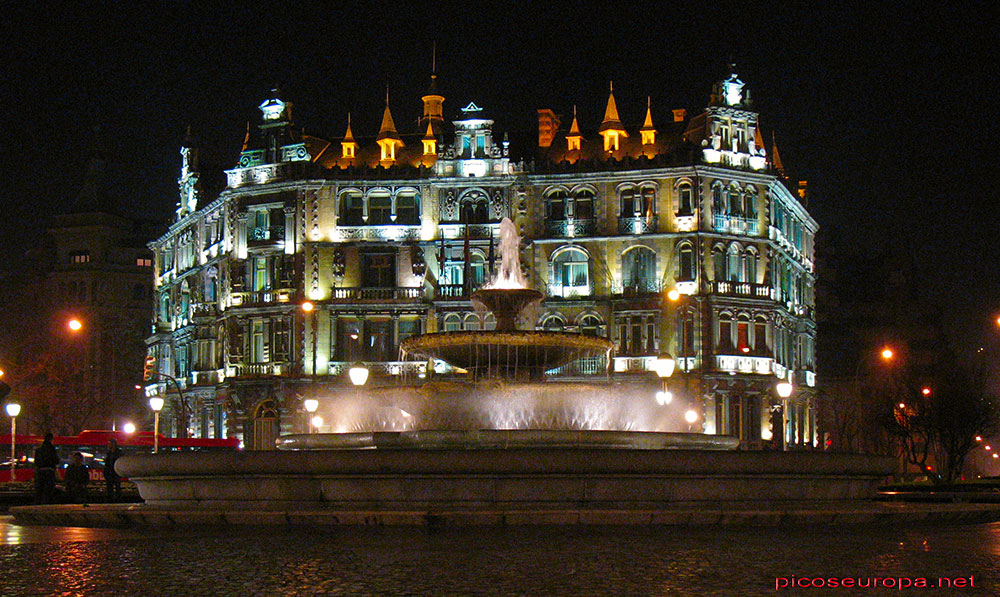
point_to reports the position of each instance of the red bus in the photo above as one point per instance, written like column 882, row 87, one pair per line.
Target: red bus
column 94, row 445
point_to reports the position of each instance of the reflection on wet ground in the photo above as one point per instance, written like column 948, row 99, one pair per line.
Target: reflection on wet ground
column 482, row 561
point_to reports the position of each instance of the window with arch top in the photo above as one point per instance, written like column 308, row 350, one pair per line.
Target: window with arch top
column 639, row 271
column 570, row 273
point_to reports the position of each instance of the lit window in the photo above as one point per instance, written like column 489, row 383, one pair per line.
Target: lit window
column 570, row 274
column 144, row 262
column 79, row 257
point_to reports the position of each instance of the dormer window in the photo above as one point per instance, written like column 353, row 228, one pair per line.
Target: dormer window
column 611, row 140
column 348, row 150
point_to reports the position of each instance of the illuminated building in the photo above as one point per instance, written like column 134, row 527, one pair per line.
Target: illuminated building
column 388, row 235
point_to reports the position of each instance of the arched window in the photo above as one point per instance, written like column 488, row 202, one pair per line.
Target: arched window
column 474, row 209
column 734, row 264
column 639, row 270
column 379, row 209
column 590, row 325
column 743, row 333
column 351, row 209
column 718, row 207
column 583, row 204
column 452, row 322
column 685, row 263
column 725, row 340
column 685, row 199
column 570, row 273
column 408, row 209
column 489, row 322
column 553, row 323
column 760, row 335
column 750, row 266
column 265, row 426
column 735, row 201
column 718, row 263
column 555, row 205
column 472, row 322
column 638, row 202
column 750, row 204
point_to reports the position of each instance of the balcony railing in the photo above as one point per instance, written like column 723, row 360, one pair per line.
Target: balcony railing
column 266, row 233
column 743, row 364
column 377, row 294
column 262, row 297
column 747, row 289
column 560, row 291
column 637, row 225
column 260, row 369
column 581, row 368
column 207, row 310
column 391, row 232
column 570, row 228
column 736, row 225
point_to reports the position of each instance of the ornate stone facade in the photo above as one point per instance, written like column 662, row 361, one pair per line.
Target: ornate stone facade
column 679, row 238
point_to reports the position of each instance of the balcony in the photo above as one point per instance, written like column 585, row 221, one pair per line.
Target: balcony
column 204, row 311
column 637, row 225
column 260, row 370
column 394, row 294
column 744, row 364
column 570, row 228
column 262, row 297
column 569, row 292
column 262, row 235
column 747, row 289
column 391, row 232
column 736, row 225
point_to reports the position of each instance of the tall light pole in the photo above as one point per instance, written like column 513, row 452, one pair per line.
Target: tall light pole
column 13, row 409
column 156, row 403
column 664, row 365
column 310, row 309
column 784, row 390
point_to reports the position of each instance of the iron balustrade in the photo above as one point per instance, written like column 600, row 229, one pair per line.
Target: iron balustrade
column 377, row 294
column 748, row 289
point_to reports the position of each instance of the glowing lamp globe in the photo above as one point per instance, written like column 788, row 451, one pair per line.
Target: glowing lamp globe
column 156, row 404
column 128, row 428
column 13, row 409
column 74, row 325
column 664, row 397
column 691, row 416
column 358, row 375
column 311, row 405
column 308, row 307
column 784, row 389
column 317, row 421
column 673, row 294
column 665, row 365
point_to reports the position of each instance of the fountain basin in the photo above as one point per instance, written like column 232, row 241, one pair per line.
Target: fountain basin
column 506, row 355
column 507, row 438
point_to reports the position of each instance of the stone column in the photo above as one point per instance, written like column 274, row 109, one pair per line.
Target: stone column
column 290, row 248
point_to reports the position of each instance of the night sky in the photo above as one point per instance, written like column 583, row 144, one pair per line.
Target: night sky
column 890, row 116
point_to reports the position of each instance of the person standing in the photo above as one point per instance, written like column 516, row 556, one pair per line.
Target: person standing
column 46, row 461
column 77, row 478
column 114, row 482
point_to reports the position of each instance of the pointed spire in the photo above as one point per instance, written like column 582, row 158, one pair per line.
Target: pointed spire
column 388, row 139
column 388, row 129
column 611, row 127
column 348, row 147
column 648, row 131
column 246, row 139
column 429, row 141
column 776, row 158
column 574, row 137
column 349, row 135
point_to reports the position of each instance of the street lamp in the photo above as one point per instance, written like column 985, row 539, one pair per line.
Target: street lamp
column 156, row 403
column 784, row 390
column 317, row 421
column 74, row 325
column 311, row 406
column 129, row 428
column 358, row 374
column 664, row 367
column 13, row 409
column 691, row 416
column 887, row 354
column 310, row 309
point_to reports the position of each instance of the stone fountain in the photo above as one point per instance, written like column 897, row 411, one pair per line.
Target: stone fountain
column 496, row 444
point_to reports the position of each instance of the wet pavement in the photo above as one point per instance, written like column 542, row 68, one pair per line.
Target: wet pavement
column 484, row 561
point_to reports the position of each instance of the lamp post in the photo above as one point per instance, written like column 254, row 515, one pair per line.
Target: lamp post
column 13, row 409
column 156, row 403
column 310, row 309
column 359, row 376
column 664, row 366
column 311, row 405
column 784, row 390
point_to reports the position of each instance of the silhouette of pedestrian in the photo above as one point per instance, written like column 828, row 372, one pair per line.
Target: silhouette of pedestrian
column 77, row 478
column 46, row 461
column 114, row 482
